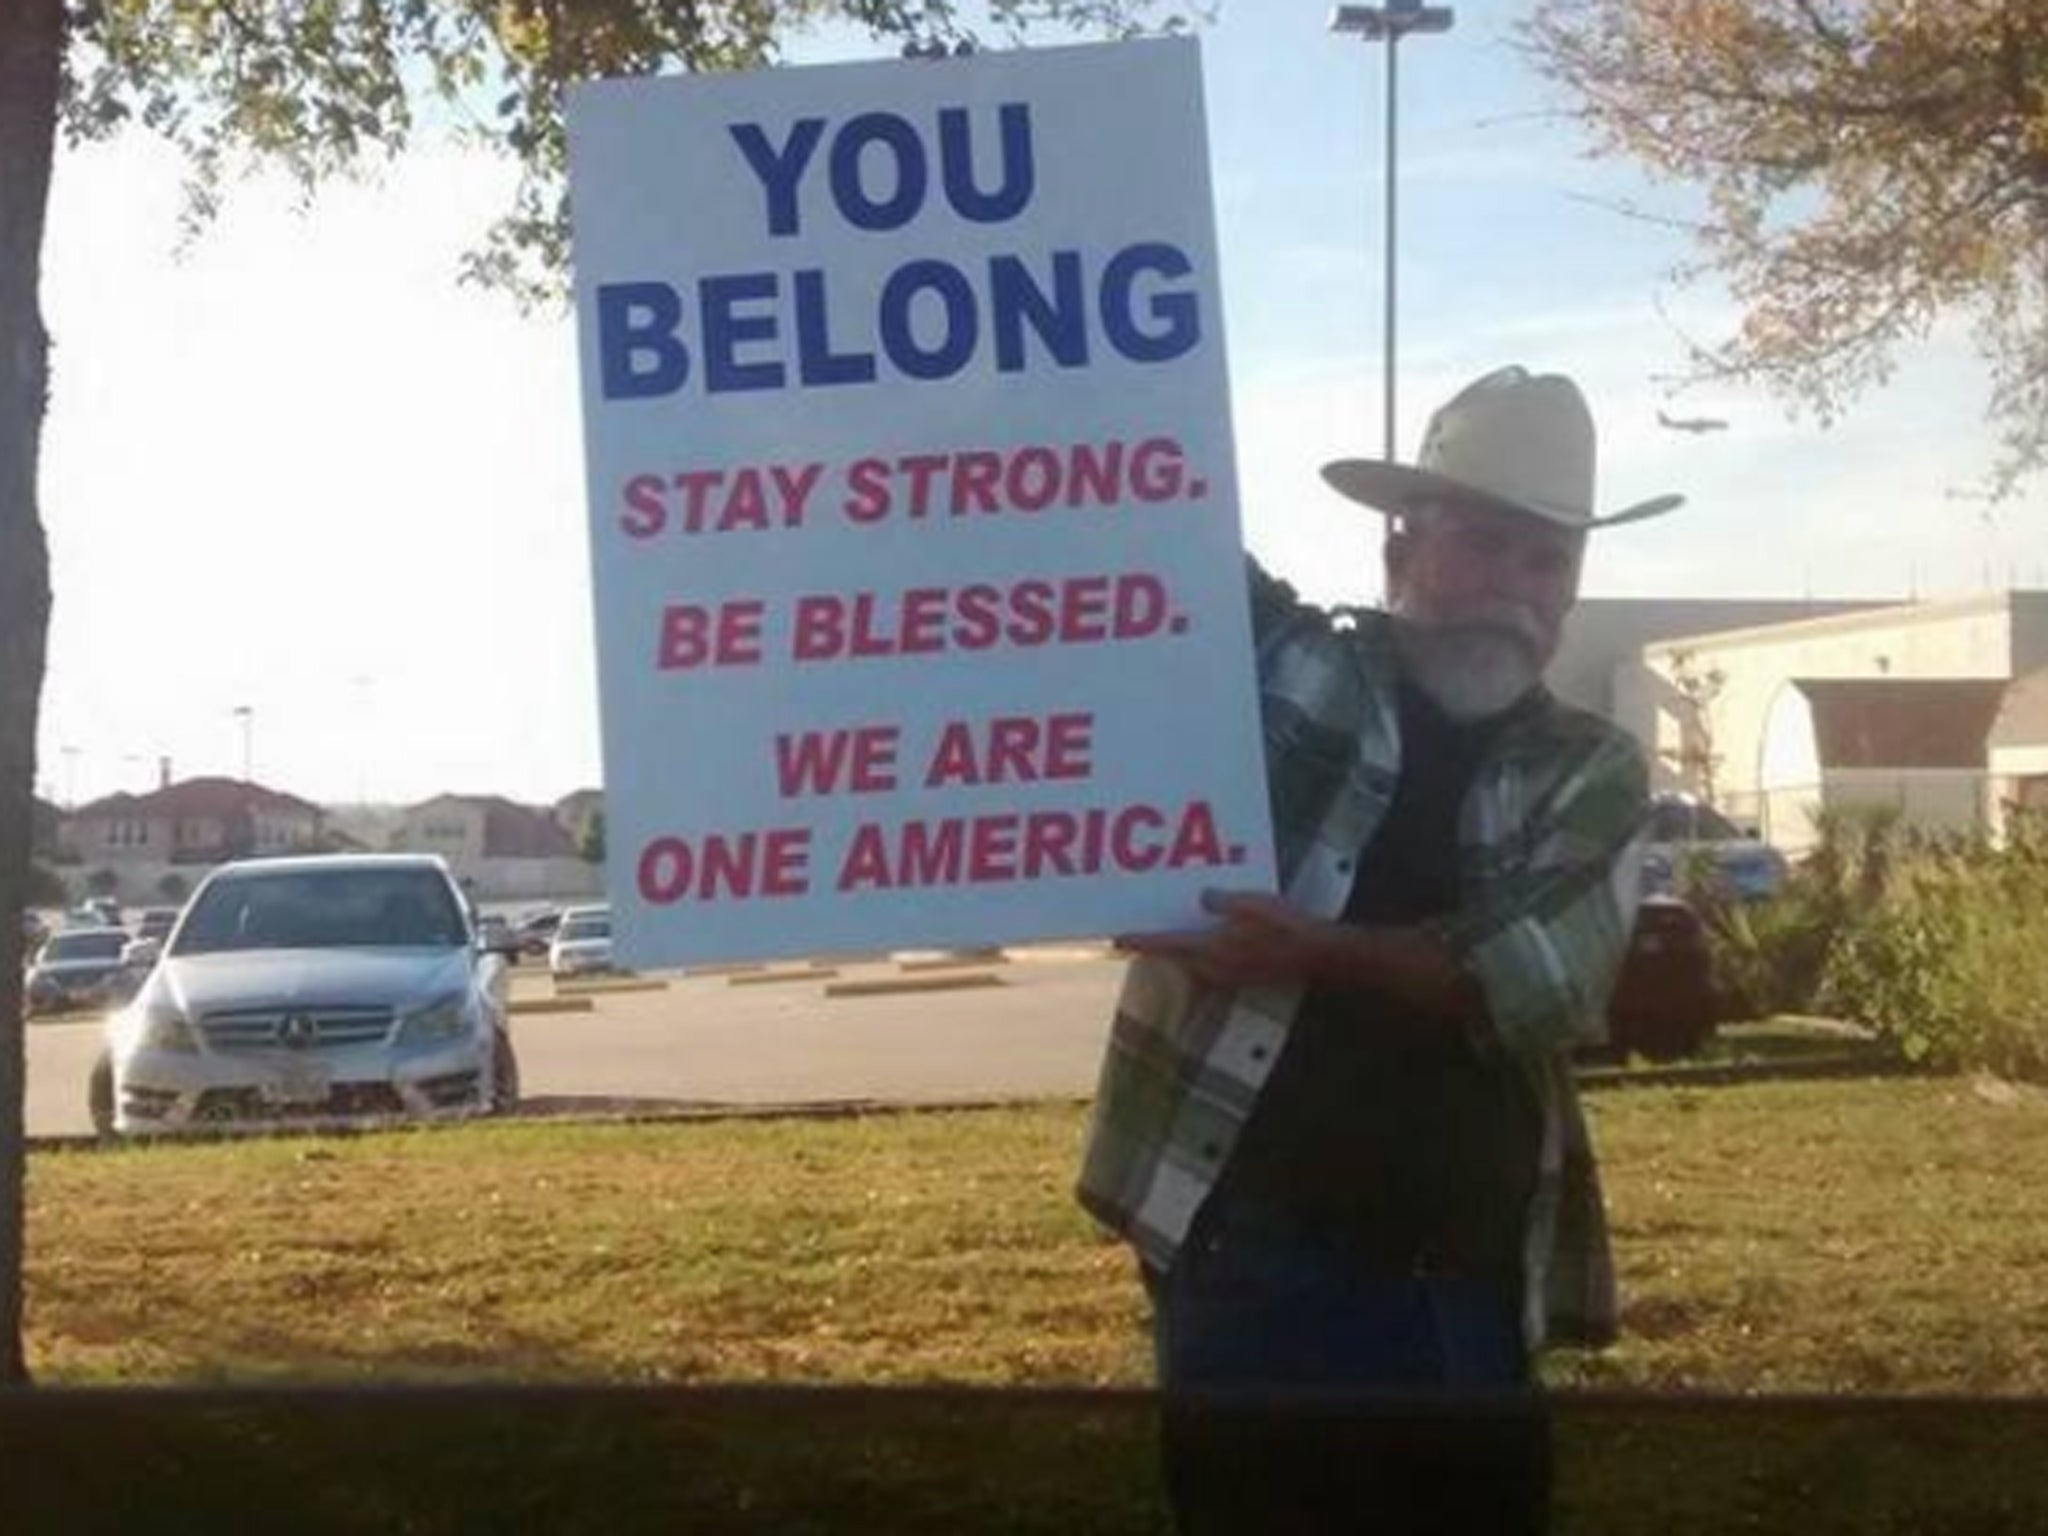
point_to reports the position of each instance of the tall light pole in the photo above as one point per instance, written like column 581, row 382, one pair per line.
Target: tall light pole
column 1390, row 23
column 246, row 714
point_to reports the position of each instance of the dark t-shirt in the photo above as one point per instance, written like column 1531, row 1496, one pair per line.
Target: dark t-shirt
column 1379, row 1131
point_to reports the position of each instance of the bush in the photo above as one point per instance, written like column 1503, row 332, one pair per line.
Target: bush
column 1953, row 964
column 1771, row 956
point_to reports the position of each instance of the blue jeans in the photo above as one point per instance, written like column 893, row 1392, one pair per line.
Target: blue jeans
column 1306, row 1391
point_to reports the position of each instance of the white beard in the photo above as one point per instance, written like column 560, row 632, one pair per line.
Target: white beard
column 1470, row 672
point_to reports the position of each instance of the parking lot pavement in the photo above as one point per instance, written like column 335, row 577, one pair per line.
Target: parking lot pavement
column 756, row 1037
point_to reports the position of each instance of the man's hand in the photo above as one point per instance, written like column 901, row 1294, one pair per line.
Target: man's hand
column 1265, row 941
column 1262, row 941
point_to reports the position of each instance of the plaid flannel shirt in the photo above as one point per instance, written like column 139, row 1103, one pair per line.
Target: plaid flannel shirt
column 1547, row 874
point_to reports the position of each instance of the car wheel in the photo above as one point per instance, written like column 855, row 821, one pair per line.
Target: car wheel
column 99, row 1095
column 504, row 1076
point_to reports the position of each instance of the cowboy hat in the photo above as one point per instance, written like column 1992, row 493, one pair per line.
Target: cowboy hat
column 1515, row 439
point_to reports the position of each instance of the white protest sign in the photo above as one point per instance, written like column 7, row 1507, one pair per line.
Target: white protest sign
column 920, row 595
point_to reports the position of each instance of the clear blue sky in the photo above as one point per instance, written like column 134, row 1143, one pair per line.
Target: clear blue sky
column 299, row 470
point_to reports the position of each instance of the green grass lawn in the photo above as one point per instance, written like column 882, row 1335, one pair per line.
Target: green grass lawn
column 1882, row 1235
column 1839, row 1236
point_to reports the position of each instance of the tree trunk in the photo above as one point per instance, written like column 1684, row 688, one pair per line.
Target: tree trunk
column 31, row 48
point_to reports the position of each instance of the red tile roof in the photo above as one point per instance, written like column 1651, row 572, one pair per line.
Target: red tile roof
column 222, row 799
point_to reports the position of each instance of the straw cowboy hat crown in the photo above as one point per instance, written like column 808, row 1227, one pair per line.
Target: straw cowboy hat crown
column 1518, row 440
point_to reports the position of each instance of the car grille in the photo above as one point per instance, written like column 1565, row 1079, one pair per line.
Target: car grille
column 350, row 1099
column 266, row 1029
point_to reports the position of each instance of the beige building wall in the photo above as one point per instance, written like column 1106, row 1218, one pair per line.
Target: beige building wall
column 452, row 828
column 1606, row 635
column 1972, row 637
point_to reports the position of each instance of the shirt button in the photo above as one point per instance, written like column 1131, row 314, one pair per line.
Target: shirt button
column 1258, row 1053
column 1211, row 1151
column 1343, row 866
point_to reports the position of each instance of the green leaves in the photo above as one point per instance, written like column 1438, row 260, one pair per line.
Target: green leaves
column 1870, row 165
column 320, row 88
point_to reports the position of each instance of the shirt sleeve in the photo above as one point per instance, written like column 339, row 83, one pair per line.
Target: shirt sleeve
column 1278, row 613
column 1546, row 944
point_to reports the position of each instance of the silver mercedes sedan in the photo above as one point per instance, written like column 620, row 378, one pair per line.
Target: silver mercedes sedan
column 313, row 989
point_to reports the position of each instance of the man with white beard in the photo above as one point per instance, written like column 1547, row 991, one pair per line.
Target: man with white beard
column 1339, row 1127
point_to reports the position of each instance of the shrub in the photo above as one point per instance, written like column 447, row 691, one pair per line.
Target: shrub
column 1953, row 964
column 1771, row 956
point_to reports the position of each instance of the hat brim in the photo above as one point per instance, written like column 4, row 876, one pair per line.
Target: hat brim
column 1394, row 488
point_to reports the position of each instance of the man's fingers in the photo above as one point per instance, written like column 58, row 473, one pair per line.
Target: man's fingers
column 1173, row 942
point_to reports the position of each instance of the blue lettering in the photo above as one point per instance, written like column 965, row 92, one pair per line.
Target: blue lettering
column 1179, row 314
column 723, row 331
column 817, row 363
column 637, row 321
column 962, row 325
column 956, row 162
column 779, row 170
column 894, row 134
column 1061, row 323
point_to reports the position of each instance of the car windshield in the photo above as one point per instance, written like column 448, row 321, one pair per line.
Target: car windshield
column 587, row 928
column 1673, row 822
column 324, row 909
column 85, row 946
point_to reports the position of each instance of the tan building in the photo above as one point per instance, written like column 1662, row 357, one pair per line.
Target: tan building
column 498, row 848
column 1938, row 709
column 185, row 829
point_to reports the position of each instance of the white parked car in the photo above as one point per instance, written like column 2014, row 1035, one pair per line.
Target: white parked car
column 310, row 989
column 583, row 943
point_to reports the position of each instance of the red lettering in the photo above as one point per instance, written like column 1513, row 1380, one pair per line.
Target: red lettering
column 1197, row 841
column 953, row 760
column 1069, row 745
column 981, row 624
column 866, row 866
column 1124, row 848
column 974, row 482
column 922, row 469
column 775, row 862
column 696, row 484
column 1033, row 480
column 820, row 631
column 932, row 852
column 646, row 514
column 795, row 491
column 819, row 762
column 1011, row 741
column 1157, row 470
column 922, row 629
column 1094, row 477
column 694, row 636
column 747, row 506
column 868, row 479
column 1031, row 606
column 992, row 850
column 1049, row 843
column 1140, row 607
column 1084, row 610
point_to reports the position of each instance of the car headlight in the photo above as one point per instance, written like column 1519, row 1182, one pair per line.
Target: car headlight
column 443, row 1019
column 164, row 1028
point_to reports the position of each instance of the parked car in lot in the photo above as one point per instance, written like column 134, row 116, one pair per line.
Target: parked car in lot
column 494, row 935
column 156, row 923
column 537, row 932
column 77, row 968
column 583, row 943
column 1664, row 1001
column 313, row 988
column 1683, row 832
